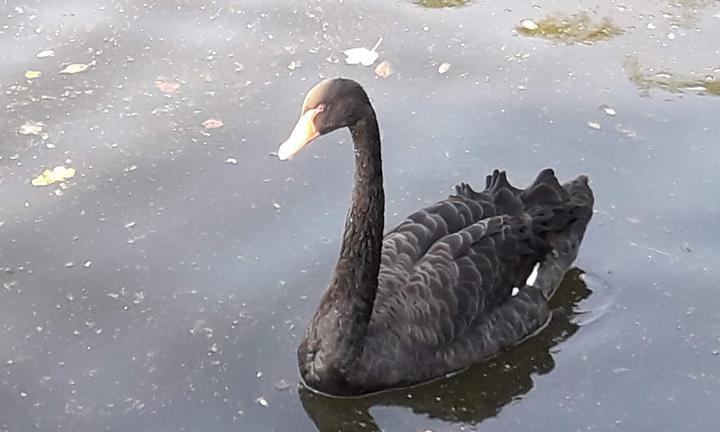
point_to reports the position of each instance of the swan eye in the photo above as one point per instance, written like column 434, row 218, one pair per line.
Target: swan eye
column 320, row 108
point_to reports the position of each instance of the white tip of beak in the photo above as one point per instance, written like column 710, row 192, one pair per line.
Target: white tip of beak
column 284, row 152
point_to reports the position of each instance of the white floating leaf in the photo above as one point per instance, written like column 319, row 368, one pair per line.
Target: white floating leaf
column 593, row 125
column 443, row 68
column 362, row 55
column 45, row 53
column 608, row 110
column 529, row 24
column 74, row 68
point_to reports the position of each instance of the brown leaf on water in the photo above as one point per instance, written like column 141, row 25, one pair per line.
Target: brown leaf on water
column 383, row 70
column 165, row 86
column 213, row 123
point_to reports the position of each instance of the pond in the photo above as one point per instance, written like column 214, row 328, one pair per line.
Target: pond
column 160, row 274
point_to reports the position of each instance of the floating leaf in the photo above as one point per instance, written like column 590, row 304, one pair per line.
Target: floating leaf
column 31, row 128
column 362, row 55
column 529, row 24
column 608, row 110
column 74, row 68
column 213, row 123
column 443, row 68
column 383, row 70
column 168, row 87
column 593, row 125
column 45, row 53
column 32, row 74
column 57, row 174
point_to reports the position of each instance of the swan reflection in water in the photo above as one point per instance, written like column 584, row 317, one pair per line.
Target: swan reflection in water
column 473, row 395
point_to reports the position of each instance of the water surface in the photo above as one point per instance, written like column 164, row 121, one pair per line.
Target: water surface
column 166, row 285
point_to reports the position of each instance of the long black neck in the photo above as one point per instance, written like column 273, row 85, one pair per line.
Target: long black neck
column 357, row 269
column 338, row 330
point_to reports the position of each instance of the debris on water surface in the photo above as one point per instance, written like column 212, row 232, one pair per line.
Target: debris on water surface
column 383, row 70
column 165, row 86
column 58, row 174
column 282, row 385
column 443, row 68
column 31, row 128
column 231, row 161
column 670, row 82
column 441, row 3
column 575, row 28
column 608, row 110
column 362, row 55
column 32, row 74
column 74, row 68
column 651, row 249
column 87, row 264
column 45, row 53
column 213, row 123
column 593, row 125
column 139, row 297
column 529, row 24
column 262, row 401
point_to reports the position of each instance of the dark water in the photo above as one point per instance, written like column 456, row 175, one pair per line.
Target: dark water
column 166, row 285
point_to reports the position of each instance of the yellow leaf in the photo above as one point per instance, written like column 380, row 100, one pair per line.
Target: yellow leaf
column 74, row 68
column 57, row 174
column 31, row 74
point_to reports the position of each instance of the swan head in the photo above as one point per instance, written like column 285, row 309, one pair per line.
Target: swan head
column 332, row 104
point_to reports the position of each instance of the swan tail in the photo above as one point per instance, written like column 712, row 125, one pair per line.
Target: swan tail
column 560, row 215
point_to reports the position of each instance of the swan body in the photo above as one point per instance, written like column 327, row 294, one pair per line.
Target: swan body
column 444, row 289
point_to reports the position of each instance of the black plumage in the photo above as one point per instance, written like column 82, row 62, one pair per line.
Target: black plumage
column 435, row 294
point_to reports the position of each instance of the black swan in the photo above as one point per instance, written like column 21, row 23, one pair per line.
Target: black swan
column 452, row 285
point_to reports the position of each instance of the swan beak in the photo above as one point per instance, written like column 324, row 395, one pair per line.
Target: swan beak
column 303, row 133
